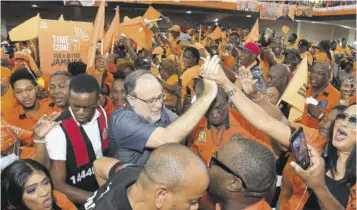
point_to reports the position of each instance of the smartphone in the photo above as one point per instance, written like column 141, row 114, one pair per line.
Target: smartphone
column 299, row 148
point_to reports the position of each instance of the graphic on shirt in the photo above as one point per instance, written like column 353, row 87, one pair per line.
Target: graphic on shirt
column 202, row 136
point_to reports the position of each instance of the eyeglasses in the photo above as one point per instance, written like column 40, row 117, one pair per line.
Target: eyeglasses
column 215, row 161
column 150, row 102
column 351, row 119
column 91, row 106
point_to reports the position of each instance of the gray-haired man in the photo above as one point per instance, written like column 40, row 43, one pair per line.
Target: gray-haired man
column 146, row 124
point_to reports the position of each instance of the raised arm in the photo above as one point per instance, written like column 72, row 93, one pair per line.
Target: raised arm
column 250, row 111
column 181, row 127
column 102, row 168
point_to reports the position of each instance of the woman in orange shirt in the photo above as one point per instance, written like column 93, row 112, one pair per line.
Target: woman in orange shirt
column 26, row 184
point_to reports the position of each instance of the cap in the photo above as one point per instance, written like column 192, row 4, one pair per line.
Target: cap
column 303, row 43
column 292, row 52
column 252, row 47
column 176, row 28
column 158, row 51
column 184, row 37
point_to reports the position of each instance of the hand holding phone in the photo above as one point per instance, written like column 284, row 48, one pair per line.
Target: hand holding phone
column 299, row 148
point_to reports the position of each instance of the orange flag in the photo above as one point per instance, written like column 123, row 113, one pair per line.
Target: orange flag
column 136, row 30
column 152, row 14
column 216, row 34
column 109, row 36
column 253, row 35
column 97, row 34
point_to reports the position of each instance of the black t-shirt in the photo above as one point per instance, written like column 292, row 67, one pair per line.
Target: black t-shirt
column 338, row 189
column 112, row 195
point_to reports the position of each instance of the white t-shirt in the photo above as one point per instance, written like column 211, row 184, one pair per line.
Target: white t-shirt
column 56, row 141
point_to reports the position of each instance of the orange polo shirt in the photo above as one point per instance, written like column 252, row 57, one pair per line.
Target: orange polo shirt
column 10, row 133
column 292, row 181
column 328, row 99
column 309, row 57
column 109, row 81
column 171, row 99
column 25, row 121
column 49, row 102
column 206, row 140
column 341, row 50
column 187, row 79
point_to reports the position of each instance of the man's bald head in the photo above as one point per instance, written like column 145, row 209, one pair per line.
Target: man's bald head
column 174, row 166
column 279, row 76
column 253, row 162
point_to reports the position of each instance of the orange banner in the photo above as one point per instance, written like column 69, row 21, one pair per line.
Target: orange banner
column 61, row 42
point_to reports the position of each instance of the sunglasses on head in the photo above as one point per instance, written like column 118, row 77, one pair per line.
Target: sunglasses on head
column 224, row 167
column 344, row 116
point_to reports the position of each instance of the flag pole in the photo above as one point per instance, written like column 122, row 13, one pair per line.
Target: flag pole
column 102, row 47
column 112, row 46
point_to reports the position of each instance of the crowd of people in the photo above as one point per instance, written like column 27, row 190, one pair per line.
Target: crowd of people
column 194, row 123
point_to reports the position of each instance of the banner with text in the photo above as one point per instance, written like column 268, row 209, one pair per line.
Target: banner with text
column 62, row 42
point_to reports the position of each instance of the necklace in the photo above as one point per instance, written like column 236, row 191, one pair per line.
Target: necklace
column 220, row 140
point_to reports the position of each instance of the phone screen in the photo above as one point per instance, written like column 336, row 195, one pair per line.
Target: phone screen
column 300, row 149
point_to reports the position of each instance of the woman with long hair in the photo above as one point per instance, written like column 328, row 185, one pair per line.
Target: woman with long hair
column 27, row 185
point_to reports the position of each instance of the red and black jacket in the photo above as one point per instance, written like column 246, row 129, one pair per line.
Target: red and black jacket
column 80, row 152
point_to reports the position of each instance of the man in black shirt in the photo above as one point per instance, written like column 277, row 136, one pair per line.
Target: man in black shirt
column 172, row 178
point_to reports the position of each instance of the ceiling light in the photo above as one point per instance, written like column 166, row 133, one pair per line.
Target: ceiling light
column 34, row 6
column 248, row 16
column 188, row 12
column 216, row 20
column 216, row 23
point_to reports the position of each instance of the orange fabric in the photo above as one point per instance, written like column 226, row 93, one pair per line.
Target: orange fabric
column 155, row 71
column 322, row 57
column 26, row 121
column 49, row 102
column 109, row 36
column 330, row 95
column 309, row 57
column 280, row 60
column 62, row 201
column 8, row 102
column 109, row 78
column 216, row 34
column 352, row 100
column 292, row 180
column 264, row 66
column 10, row 133
column 108, row 107
column 27, row 153
column 204, row 141
column 341, row 50
column 261, row 205
column 5, row 75
column 187, row 79
column 229, row 61
column 354, row 67
column 152, row 14
column 334, row 12
column 171, row 99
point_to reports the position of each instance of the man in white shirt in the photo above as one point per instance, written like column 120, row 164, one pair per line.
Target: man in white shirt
column 78, row 141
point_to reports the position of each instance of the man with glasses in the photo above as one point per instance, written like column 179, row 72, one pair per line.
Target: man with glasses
column 146, row 124
column 78, row 141
column 242, row 175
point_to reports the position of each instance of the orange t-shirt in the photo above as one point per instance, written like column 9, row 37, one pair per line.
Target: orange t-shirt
column 352, row 100
column 62, row 201
column 280, row 60
column 328, row 99
column 322, row 57
column 171, row 99
column 10, row 133
column 49, row 102
column 187, row 79
column 206, row 140
column 309, row 57
column 25, row 121
column 109, row 81
column 108, row 106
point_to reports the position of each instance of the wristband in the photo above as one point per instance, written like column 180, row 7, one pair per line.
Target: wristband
column 321, row 116
column 231, row 92
column 43, row 141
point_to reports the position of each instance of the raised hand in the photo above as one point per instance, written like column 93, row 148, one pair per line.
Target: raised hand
column 248, row 85
column 313, row 111
column 100, row 63
column 212, row 70
column 44, row 125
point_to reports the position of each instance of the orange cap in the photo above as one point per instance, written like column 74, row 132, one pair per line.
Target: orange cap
column 176, row 28
column 21, row 55
column 158, row 51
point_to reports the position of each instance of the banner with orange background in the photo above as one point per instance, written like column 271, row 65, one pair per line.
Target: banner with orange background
column 273, row 11
column 62, row 42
